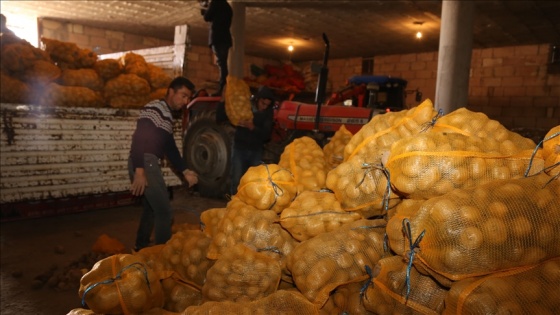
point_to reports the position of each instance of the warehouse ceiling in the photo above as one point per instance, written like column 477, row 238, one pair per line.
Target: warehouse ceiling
column 355, row 28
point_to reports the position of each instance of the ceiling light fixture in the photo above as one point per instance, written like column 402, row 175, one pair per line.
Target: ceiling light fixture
column 290, row 48
column 419, row 25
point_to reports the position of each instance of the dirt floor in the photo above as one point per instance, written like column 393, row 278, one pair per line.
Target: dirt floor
column 38, row 255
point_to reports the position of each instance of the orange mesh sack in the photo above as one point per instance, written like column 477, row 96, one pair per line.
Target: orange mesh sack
column 13, row 90
column 179, row 294
column 395, row 233
column 210, row 219
column 151, row 256
column 362, row 186
column 551, row 151
column 71, row 96
column 121, row 284
column 158, row 94
column 525, row 290
column 334, row 150
column 267, row 187
column 382, row 130
column 68, row 55
column 346, row 299
column 433, row 163
column 128, row 101
column 281, row 302
column 185, row 253
column 42, row 72
column 306, row 160
column 313, row 213
column 329, row 260
column 242, row 274
column 20, row 56
column 497, row 226
column 243, row 223
column 238, row 100
column 136, row 64
column 158, row 78
column 126, row 84
column 107, row 69
column 82, row 77
column 388, row 292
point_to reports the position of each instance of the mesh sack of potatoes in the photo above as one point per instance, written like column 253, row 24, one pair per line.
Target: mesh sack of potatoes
column 280, row 302
column 108, row 69
column 395, row 217
column 14, row 90
column 19, row 56
column 178, row 294
column 434, row 163
column 525, row 290
column 210, row 218
column 243, row 223
column 363, row 185
column 238, row 100
column 398, row 289
column 151, row 255
column 71, row 96
column 128, row 101
column 121, row 284
column 331, row 259
column 242, row 274
column 159, row 79
column 306, row 160
column 267, row 187
column 313, row 213
column 68, row 55
column 41, row 72
column 81, row 77
column 136, row 64
column 334, row 150
column 158, row 94
column 346, row 299
column 126, row 84
column 485, row 229
column 551, row 151
column 383, row 130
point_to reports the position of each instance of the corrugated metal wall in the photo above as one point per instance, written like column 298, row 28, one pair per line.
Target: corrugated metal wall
column 59, row 152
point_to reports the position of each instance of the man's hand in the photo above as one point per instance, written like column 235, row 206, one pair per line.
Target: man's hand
column 191, row 177
column 139, row 182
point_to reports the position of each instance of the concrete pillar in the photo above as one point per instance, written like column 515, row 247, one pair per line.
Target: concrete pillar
column 454, row 56
column 236, row 57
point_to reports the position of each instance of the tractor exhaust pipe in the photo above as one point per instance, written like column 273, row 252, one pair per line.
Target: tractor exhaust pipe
column 322, row 83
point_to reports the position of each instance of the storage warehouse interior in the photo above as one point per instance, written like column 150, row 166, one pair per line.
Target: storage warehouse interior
column 413, row 165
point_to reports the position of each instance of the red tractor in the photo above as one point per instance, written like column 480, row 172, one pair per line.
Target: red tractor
column 207, row 145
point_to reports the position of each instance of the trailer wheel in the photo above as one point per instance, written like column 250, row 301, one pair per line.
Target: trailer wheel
column 207, row 151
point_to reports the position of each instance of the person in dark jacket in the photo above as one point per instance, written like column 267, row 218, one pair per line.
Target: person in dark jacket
column 219, row 14
column 151, row 142
column 250, row 136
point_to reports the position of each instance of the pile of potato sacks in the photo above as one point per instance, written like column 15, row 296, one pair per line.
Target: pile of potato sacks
column 425, row 213
column 62, row 74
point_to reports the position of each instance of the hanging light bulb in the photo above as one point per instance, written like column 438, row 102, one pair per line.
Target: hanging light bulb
column 419, row 35
column 419, row 25
column 290, row 48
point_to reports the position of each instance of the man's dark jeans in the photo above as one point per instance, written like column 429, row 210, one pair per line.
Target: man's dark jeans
column 221, row 53
column 241, row 160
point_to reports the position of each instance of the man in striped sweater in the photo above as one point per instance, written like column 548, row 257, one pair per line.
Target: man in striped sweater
column 151, row 142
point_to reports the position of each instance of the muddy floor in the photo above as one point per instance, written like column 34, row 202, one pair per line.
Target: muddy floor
column 35, row 251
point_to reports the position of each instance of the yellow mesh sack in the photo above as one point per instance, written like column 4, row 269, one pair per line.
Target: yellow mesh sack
column 121, row 284
column 159, row 79
column 158, row 94
column 241, row 274
column 362, row 186
column 243, row 223
column 306, row 160
column 313, row 213
column 395, row 232
column 551, row 151
column 382, row 130
column 14, row 90
column 41, row 72
column 151, row 256
column 71, row 96
column 19, row 56
column 329, row 260
column 136, row 64
column 178, row 295
column 267, row 187
column 238, row 100
column 346, row 299
column 81, row 77
column 334, row 150
column 391, row 294
column 126, row 84
column 433, row 163
column 281, row 302
column 81, row 311
column 489, row 228
column 210, row 219
column 68, row 55
column 525, row 290
column 108, row 69
column 128, row 101
column 185, row 254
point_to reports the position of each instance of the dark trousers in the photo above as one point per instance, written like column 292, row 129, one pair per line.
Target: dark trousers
column 241, row 160
column 221, row 53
